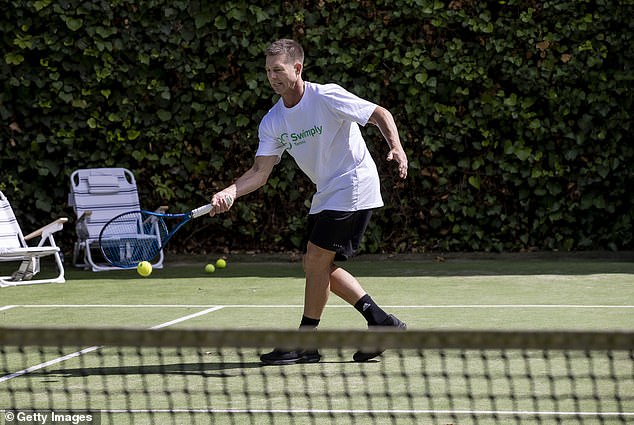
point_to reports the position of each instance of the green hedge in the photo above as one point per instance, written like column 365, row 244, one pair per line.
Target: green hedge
column 516, row 115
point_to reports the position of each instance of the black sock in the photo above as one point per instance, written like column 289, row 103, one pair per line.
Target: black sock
column 371, row 311
column 308, row 323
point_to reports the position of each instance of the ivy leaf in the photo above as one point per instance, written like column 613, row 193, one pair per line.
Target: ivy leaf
column 133, row 134
column 73, row 24
column 421, row 77
column 164, row 115
column 13, row 58
column 202, row 19
column 474, row 181
column 41, row 4
column 220, row 23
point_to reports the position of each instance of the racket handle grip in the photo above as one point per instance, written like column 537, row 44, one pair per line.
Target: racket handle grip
column 205, row 209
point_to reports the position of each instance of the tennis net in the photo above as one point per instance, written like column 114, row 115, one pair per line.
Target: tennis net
column 133, row 376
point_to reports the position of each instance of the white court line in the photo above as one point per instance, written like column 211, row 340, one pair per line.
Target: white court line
column 371, row 412
column 97, row 347
column 49, row 363
column 7, row 307
column 573, row 306
column 446, row 306
column 191, row 316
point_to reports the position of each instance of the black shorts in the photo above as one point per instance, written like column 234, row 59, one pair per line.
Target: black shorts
column 338, row 231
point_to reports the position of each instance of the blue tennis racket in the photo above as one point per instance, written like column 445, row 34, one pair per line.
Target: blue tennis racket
column 136, row 236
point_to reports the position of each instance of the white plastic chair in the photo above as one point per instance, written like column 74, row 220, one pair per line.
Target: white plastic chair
column 14, row 248
column 97, row 195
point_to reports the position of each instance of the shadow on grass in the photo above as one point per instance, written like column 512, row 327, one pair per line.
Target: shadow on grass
column 204, row 369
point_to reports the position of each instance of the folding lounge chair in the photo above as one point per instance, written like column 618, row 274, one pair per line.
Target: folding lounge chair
column 14, row 248
column 97, row 195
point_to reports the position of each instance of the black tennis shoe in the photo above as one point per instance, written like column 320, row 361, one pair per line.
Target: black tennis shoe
column 287, row 357
column 364, row 356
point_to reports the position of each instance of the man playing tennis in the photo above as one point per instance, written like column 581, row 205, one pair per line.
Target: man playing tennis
column 318, row 125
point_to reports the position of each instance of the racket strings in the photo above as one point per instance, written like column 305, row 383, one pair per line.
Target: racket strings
column 133, row 237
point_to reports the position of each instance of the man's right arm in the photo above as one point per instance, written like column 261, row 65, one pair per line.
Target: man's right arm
column 253, row 179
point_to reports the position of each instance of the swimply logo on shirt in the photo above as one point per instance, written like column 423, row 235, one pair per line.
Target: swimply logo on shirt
column 299, row 138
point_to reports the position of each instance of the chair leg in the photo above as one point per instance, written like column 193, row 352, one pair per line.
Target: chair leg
column 29, row 267
column 75, row 253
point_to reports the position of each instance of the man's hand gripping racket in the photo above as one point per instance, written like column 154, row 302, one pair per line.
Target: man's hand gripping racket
column 221, row 202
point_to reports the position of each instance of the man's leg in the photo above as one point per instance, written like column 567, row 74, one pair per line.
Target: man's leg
column 348, row 288
column 323, row 277
column 317, row 267
column 345, row 285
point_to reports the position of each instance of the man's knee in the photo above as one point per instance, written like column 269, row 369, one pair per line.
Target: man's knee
column 317, row 258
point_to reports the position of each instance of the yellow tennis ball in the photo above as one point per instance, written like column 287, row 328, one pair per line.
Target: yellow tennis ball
column 221, row 263
column 209, row 268
column 144, row 268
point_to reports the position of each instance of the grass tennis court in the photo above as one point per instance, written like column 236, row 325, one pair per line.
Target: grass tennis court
column 489, row 293
column 515, row 292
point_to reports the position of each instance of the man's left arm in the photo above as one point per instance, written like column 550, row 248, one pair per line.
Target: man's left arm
column 383, row 119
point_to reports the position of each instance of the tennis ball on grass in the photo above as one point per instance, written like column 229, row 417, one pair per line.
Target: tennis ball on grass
column 221, row 263
column 209, row 268
column 144, row 268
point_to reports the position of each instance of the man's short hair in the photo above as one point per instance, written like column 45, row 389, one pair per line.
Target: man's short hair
column 288, row 47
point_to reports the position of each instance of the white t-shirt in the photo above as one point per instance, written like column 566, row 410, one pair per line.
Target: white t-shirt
column 322, row 134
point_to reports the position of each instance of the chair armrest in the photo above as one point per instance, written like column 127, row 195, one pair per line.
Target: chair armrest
column 50, row 228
